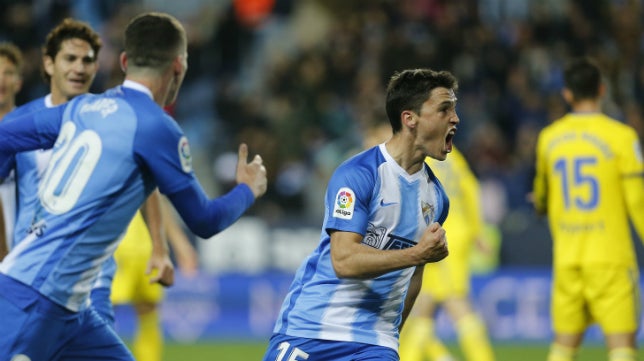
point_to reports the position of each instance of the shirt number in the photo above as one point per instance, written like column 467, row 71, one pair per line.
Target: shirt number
column 295, row 355
column 579, row 171
column 72, row 163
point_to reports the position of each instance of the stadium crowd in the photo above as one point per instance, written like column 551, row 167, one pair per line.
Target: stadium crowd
column 302, row 82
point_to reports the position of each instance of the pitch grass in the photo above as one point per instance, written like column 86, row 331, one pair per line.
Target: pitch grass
column 249, row 351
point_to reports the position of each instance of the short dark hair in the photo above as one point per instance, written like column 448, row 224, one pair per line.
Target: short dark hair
column 69, row 29
column 582, row 76
column 12, row 53
column 409, row 89
column 153, row 40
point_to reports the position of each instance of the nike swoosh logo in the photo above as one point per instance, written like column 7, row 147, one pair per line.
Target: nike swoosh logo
column 383, row 204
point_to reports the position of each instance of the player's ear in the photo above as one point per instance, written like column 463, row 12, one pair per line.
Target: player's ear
column 123, row 62
column 567, row 95
column 408, row 119
column 48, row 65
column 602, row 90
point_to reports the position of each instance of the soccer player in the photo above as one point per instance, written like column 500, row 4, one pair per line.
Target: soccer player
column 131, row 284
column 111, row 150
column 589, row 181
column 447, row 283
column 384, row 210
column 69, row 66
column 10, row 84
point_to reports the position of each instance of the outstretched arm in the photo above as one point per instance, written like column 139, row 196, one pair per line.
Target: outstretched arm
column 206, row 217
column 185, row 253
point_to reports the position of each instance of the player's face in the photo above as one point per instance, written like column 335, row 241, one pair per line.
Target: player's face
column 72, row 71
column 10, row 82
column 437, row 123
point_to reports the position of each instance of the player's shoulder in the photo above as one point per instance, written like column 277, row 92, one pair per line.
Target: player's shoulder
column 29, row 107
column 366, row 161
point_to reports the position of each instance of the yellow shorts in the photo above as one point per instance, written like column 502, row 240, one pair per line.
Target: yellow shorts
column 608, row 295
column 131, row 284
column 451, row 276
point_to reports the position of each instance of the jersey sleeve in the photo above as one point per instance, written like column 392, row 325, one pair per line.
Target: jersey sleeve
column 632, row 172
column 165, row 152
column 36, row 130
column 162, row 147
column 348, row 197
column 540, row 185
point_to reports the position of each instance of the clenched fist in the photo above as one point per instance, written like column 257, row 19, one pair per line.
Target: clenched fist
column 432, row 246
column 253, row 173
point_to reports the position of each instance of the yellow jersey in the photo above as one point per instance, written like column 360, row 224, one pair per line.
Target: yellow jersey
column 464, row 222
column 589, row 181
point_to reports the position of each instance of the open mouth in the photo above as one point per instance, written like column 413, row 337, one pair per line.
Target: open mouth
column 449, row 138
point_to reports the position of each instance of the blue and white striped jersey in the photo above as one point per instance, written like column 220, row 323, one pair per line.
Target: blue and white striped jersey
column 369, row 194
column 110, row 151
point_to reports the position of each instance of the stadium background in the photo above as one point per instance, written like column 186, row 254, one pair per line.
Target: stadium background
column 302, row 82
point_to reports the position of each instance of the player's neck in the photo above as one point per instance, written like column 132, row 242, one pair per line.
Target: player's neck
column 586, row 106
column 157, row 85
column 404, row 154
column 57, row 98
column 6, row 108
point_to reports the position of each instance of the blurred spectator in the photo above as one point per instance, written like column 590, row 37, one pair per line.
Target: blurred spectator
column 304, row 79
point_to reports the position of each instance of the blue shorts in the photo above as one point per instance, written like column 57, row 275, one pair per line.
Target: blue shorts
column 40, row 329
column 288, row 348
column 102, row 305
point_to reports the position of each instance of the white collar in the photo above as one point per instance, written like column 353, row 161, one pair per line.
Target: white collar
column 137, row 86
column 48, row 102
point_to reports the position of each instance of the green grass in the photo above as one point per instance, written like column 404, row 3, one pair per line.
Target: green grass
column 242, row 351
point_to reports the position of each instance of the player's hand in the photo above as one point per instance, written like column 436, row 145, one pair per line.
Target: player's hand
column 253, row 173
column 161, row 270
column 432, row 246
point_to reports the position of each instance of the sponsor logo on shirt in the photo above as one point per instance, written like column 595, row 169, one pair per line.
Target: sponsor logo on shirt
column 37, row 228
column 344, row 203
column 374, row 235
column 396, row 242
column 103, row 106
column 184, row 155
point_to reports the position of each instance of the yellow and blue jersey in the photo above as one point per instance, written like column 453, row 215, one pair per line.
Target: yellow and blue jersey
column 584, row 167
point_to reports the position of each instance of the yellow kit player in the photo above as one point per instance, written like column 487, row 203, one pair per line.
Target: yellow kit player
column 132, row 284
column 447, row 283
column 589, row 182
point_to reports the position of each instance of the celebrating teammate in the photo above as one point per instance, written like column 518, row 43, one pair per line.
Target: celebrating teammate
column 111, row 150
column 384, row 210
column 10, row 84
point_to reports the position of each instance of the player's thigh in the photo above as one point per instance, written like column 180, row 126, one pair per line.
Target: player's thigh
column 148, row 293
column 125, row 280
column 613, row 297
column 31, row 325
column 569, row 311
column 288, row 348
column 96, row 340
column 447, row 279
column 129, row 277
